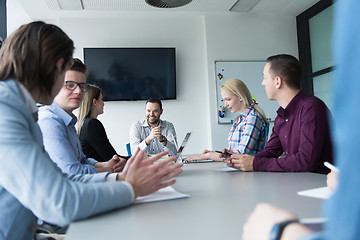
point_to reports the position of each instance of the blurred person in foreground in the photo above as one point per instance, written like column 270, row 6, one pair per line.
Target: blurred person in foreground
column 34, row 60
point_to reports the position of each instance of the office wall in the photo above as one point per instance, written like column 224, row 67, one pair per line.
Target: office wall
column 16, row 16
column 199, row 41
column 190, row 110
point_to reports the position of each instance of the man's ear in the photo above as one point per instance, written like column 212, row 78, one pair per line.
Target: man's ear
column 278, row 82
column 161, row 112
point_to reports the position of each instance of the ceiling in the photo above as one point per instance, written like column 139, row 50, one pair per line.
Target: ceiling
column 50, row 9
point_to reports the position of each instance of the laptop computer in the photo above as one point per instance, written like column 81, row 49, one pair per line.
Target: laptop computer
column 181, row 148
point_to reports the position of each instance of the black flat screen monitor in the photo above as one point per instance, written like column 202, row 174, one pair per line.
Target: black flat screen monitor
column 127, row 74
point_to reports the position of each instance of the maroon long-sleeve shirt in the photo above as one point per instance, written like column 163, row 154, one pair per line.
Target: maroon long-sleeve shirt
column 301, row 132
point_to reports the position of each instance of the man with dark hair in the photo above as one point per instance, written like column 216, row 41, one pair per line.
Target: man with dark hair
column 154, row 100
column 57, row 123
column 153, row 135
column 288, row 67
column 300, row 140
column 342, row 221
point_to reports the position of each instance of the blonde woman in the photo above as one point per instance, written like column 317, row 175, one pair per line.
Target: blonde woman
column 247, row 134
column 94, row 141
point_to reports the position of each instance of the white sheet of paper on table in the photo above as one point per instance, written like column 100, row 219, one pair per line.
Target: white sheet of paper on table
column 322, row 192
column 227, row 169
column 164, row 194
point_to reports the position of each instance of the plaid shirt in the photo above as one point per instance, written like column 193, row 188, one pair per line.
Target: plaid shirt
column 247, row 134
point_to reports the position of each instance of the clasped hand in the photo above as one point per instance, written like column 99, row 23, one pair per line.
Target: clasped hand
column 155, row 133
column 115, row 164
column 244, row 162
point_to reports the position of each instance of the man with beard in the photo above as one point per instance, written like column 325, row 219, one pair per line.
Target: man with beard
column 153, row 135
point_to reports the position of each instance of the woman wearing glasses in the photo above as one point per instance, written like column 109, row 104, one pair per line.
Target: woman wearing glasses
column 93, row 138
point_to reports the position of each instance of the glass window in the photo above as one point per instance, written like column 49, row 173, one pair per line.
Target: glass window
column 323, row 88
column 320, row 27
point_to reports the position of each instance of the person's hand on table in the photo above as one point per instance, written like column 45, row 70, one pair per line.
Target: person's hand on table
column 244, row 162
column 115, row 164
column 195, row 157
column 119, row 166
column 206, row 155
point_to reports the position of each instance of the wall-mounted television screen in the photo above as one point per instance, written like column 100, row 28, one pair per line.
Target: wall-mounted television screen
column 127, row 74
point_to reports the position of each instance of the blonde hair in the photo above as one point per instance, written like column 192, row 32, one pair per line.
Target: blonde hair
column 238, row 88
column 85, row 108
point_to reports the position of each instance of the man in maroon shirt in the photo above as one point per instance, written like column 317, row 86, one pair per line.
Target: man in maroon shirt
column 300, row 140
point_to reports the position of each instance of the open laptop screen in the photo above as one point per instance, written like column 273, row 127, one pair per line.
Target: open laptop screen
column 181, row 148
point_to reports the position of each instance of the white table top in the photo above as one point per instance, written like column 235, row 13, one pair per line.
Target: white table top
column 217, row 208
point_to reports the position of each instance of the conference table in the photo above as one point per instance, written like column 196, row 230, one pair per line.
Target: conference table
column 218, row 206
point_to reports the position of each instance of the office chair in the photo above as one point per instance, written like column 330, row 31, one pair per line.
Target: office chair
column 266, row 134
column 128, row 149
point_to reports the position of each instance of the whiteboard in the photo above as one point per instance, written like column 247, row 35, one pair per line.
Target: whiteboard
column 250, row 72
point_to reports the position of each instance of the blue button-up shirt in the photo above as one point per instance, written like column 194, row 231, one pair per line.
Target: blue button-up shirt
column 31, row 186
column 62, row 142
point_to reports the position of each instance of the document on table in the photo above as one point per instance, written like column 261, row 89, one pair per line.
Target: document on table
column 164, row 194
column 322, row 192
column 226, row 168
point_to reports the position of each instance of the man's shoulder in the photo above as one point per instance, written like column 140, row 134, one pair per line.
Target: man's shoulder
column 312, row 101
column 312, row 106
column 138, row 123
column 168, row 125
column 49, row 121
column 166, row 122
column 46, row 112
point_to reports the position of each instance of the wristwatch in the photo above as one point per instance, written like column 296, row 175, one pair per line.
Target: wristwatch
column 278, row 229
column 163, row 139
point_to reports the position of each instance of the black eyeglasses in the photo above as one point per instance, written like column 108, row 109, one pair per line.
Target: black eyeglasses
column 72, row 85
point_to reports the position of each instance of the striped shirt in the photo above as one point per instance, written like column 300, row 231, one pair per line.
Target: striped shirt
column 247, row 134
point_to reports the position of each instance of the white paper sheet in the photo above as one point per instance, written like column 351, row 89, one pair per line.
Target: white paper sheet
column 322, row 192
column 227, row 169
column 164, row 194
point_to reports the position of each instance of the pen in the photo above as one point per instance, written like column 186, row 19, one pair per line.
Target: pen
column 226, row 153
column 331, row 167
